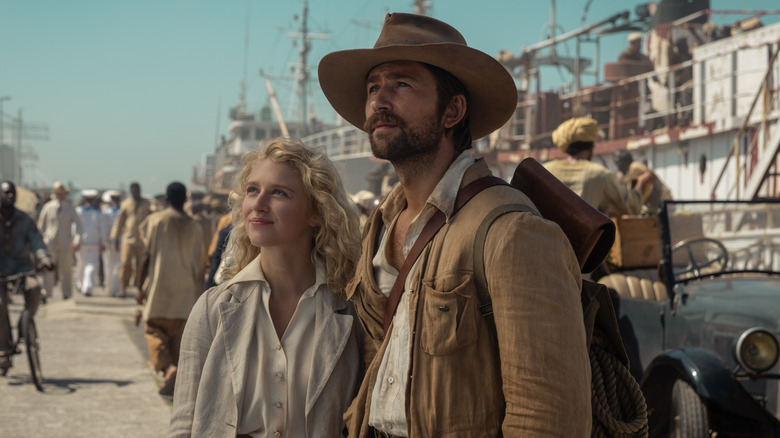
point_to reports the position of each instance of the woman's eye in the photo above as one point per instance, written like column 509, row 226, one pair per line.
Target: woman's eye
column 251, row 190
column 279, row 192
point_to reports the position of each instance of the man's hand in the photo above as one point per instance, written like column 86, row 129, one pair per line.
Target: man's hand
column 76, row 246
column 646, row 179
column 47, row 264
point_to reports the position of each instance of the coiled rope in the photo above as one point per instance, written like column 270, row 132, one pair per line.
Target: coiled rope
column 619, row 407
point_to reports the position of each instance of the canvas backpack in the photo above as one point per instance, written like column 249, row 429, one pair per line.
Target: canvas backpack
column 618, row 405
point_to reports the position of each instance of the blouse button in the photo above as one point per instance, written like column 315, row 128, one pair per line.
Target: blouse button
column 278, row 405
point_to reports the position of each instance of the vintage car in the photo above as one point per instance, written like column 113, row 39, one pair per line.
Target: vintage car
column 701, row 329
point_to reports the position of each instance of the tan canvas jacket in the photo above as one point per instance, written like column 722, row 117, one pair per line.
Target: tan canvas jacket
column 531, row 376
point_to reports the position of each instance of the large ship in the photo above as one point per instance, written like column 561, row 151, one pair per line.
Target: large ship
column 701, row 110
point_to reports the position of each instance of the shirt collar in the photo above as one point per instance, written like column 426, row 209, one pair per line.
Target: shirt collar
column 443, row 195
column 253, row 272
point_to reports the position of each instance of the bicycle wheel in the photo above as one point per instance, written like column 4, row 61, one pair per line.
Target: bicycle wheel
column 31, row 342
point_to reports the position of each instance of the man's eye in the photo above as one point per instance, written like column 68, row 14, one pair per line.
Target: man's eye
column 373, row 89
column 403, row 84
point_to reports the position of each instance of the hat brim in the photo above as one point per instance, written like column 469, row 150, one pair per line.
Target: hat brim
column 492, row 94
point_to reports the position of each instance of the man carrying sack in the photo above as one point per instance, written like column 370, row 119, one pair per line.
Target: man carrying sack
column 435, row 365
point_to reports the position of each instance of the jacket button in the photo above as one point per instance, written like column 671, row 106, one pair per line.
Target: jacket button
column 444, row 308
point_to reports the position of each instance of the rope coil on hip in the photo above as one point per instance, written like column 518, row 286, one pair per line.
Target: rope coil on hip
column 619, row 407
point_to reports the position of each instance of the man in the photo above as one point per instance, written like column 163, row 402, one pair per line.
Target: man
column 683, row 80
column 653, row 193
column 111, row 254
column 633, row 53
column 57, row 222
column 174, row 264
column 200, row 212
column 132, row 212
column 596, row 184
column 20, row 245
column 91, row 241
column 442, row 369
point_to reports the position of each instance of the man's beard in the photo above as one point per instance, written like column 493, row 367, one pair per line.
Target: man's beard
column 408, row 145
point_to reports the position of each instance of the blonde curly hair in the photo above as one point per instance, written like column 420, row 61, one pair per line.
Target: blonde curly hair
column 337, row 237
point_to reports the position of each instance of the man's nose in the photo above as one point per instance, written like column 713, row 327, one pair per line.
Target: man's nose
column 379, row 100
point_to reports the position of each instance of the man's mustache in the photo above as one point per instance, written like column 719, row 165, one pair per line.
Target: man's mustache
column 382, row 117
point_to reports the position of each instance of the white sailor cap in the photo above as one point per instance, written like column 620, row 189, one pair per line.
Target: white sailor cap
column 89, row 193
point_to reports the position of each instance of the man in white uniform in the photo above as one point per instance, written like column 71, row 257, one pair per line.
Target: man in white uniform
column 91, row 243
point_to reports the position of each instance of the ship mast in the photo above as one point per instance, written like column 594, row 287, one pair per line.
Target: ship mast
column 302, row 68
column 242, row 85
column 421, row 6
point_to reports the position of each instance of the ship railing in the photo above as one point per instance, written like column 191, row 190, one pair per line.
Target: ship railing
column 752, row 166
column 645, row 104
column 342, row 143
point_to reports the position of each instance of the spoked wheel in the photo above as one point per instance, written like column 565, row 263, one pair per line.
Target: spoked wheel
column 689, row 415
column 31, row 343
column 4, row 371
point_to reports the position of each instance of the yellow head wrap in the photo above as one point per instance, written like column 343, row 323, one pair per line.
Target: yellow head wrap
column 571, row 131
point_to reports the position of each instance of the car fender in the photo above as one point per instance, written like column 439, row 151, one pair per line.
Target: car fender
column 727, row 401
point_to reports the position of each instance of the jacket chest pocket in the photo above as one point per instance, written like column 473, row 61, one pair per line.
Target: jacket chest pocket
column 449, row 319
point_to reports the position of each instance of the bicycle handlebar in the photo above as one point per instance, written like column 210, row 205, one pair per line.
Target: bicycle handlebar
column 14, row 277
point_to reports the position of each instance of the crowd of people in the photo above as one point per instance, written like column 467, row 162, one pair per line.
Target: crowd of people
column 306, row 328
column 111, row 242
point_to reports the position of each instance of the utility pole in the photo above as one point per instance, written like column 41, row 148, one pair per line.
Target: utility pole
column 30, row 131
column 2, row 122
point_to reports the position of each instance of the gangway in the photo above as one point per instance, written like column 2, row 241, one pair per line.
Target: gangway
column 767, row 154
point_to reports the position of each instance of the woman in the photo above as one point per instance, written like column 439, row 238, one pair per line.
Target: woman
column 275, row 347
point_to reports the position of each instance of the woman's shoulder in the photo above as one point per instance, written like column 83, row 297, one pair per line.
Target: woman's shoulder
column 336, row 299
column 224, row 292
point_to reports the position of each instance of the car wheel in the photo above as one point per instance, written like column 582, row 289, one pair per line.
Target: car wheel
column 689, row 415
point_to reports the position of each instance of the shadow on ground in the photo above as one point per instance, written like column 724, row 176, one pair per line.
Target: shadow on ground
column 59, row 386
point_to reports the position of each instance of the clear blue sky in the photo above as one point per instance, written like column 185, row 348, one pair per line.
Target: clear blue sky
column 139, row 90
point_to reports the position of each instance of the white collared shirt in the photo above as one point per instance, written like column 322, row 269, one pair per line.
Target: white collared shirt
column 388, row 403
column 279, row 370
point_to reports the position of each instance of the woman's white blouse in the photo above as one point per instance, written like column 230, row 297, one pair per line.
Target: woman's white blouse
column 275, row 398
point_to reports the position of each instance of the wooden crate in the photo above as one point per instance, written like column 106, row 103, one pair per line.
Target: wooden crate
column 637, row 243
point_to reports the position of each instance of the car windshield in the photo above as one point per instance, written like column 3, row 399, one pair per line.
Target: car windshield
column 712, row 238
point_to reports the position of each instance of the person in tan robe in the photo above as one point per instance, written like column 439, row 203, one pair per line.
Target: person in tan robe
column 171, row 279
column 596, row 184
column 132, row 212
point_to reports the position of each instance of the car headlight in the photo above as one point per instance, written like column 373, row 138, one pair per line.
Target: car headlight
column 757, row 350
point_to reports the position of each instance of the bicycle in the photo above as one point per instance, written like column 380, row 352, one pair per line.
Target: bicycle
column 27, row 332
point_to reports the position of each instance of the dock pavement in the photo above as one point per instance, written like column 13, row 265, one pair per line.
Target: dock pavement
column 98, row 381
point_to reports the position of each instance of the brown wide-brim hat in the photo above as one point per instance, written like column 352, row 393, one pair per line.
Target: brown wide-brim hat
column 492, row 94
